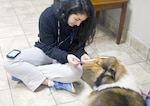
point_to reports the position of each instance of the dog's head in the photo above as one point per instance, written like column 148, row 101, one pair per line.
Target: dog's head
column 108, row 69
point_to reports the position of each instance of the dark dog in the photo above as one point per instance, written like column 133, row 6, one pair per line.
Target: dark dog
column 115, row 86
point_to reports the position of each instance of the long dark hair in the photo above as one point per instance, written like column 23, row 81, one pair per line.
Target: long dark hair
column 85, row 32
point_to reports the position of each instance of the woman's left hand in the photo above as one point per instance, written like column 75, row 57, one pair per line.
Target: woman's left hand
column 73, row 60
column 85, row 57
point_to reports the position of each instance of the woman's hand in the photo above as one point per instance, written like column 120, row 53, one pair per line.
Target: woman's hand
column 84, row 57
column 73, row 60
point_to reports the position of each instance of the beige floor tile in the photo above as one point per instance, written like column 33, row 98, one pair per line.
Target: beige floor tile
column 121, row 55
column 11, row 31
column 41, row 2
column 24, row 97
column 7, row 21
column 28, row 18
column 62, row 96
column 76, row 103
column 6, row 9
column 22, row 3
column 104, row 43
column 32, row 38
column 3, row 79
column 140, row 74
column 18, row 42
column 5, row 98
column 31, row 28
column 25, row 10
column 146, row 66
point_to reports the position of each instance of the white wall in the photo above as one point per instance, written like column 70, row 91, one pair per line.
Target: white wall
column 137, row 19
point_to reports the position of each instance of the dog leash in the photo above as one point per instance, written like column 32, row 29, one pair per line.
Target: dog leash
column 147, row 95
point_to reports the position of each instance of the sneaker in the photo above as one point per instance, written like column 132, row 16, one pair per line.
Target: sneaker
column 14, row 78
column 147, row 100
column 63, row 86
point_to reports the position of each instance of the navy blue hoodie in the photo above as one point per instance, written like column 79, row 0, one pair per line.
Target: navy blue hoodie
column 48, row 35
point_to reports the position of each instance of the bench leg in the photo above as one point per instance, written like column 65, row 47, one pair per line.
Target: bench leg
column 97, row 15
column 121, row 24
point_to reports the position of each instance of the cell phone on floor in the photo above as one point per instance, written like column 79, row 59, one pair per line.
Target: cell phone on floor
column 12, row 54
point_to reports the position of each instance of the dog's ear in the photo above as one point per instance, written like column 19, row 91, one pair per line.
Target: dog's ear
column 114, row 67
column 112, row 73
column 109, row 71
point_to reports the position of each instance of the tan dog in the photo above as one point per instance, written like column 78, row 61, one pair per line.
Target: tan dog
column 115, row 86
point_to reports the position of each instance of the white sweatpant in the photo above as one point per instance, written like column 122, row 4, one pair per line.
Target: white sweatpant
column 32, row 66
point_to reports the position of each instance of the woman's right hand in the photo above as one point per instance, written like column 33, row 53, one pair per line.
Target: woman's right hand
column 73, row 60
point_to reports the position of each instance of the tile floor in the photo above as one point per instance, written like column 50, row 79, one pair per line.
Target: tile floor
column 19, row 28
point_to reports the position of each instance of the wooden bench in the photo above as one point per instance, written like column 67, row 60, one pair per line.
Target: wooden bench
column 111, row 4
